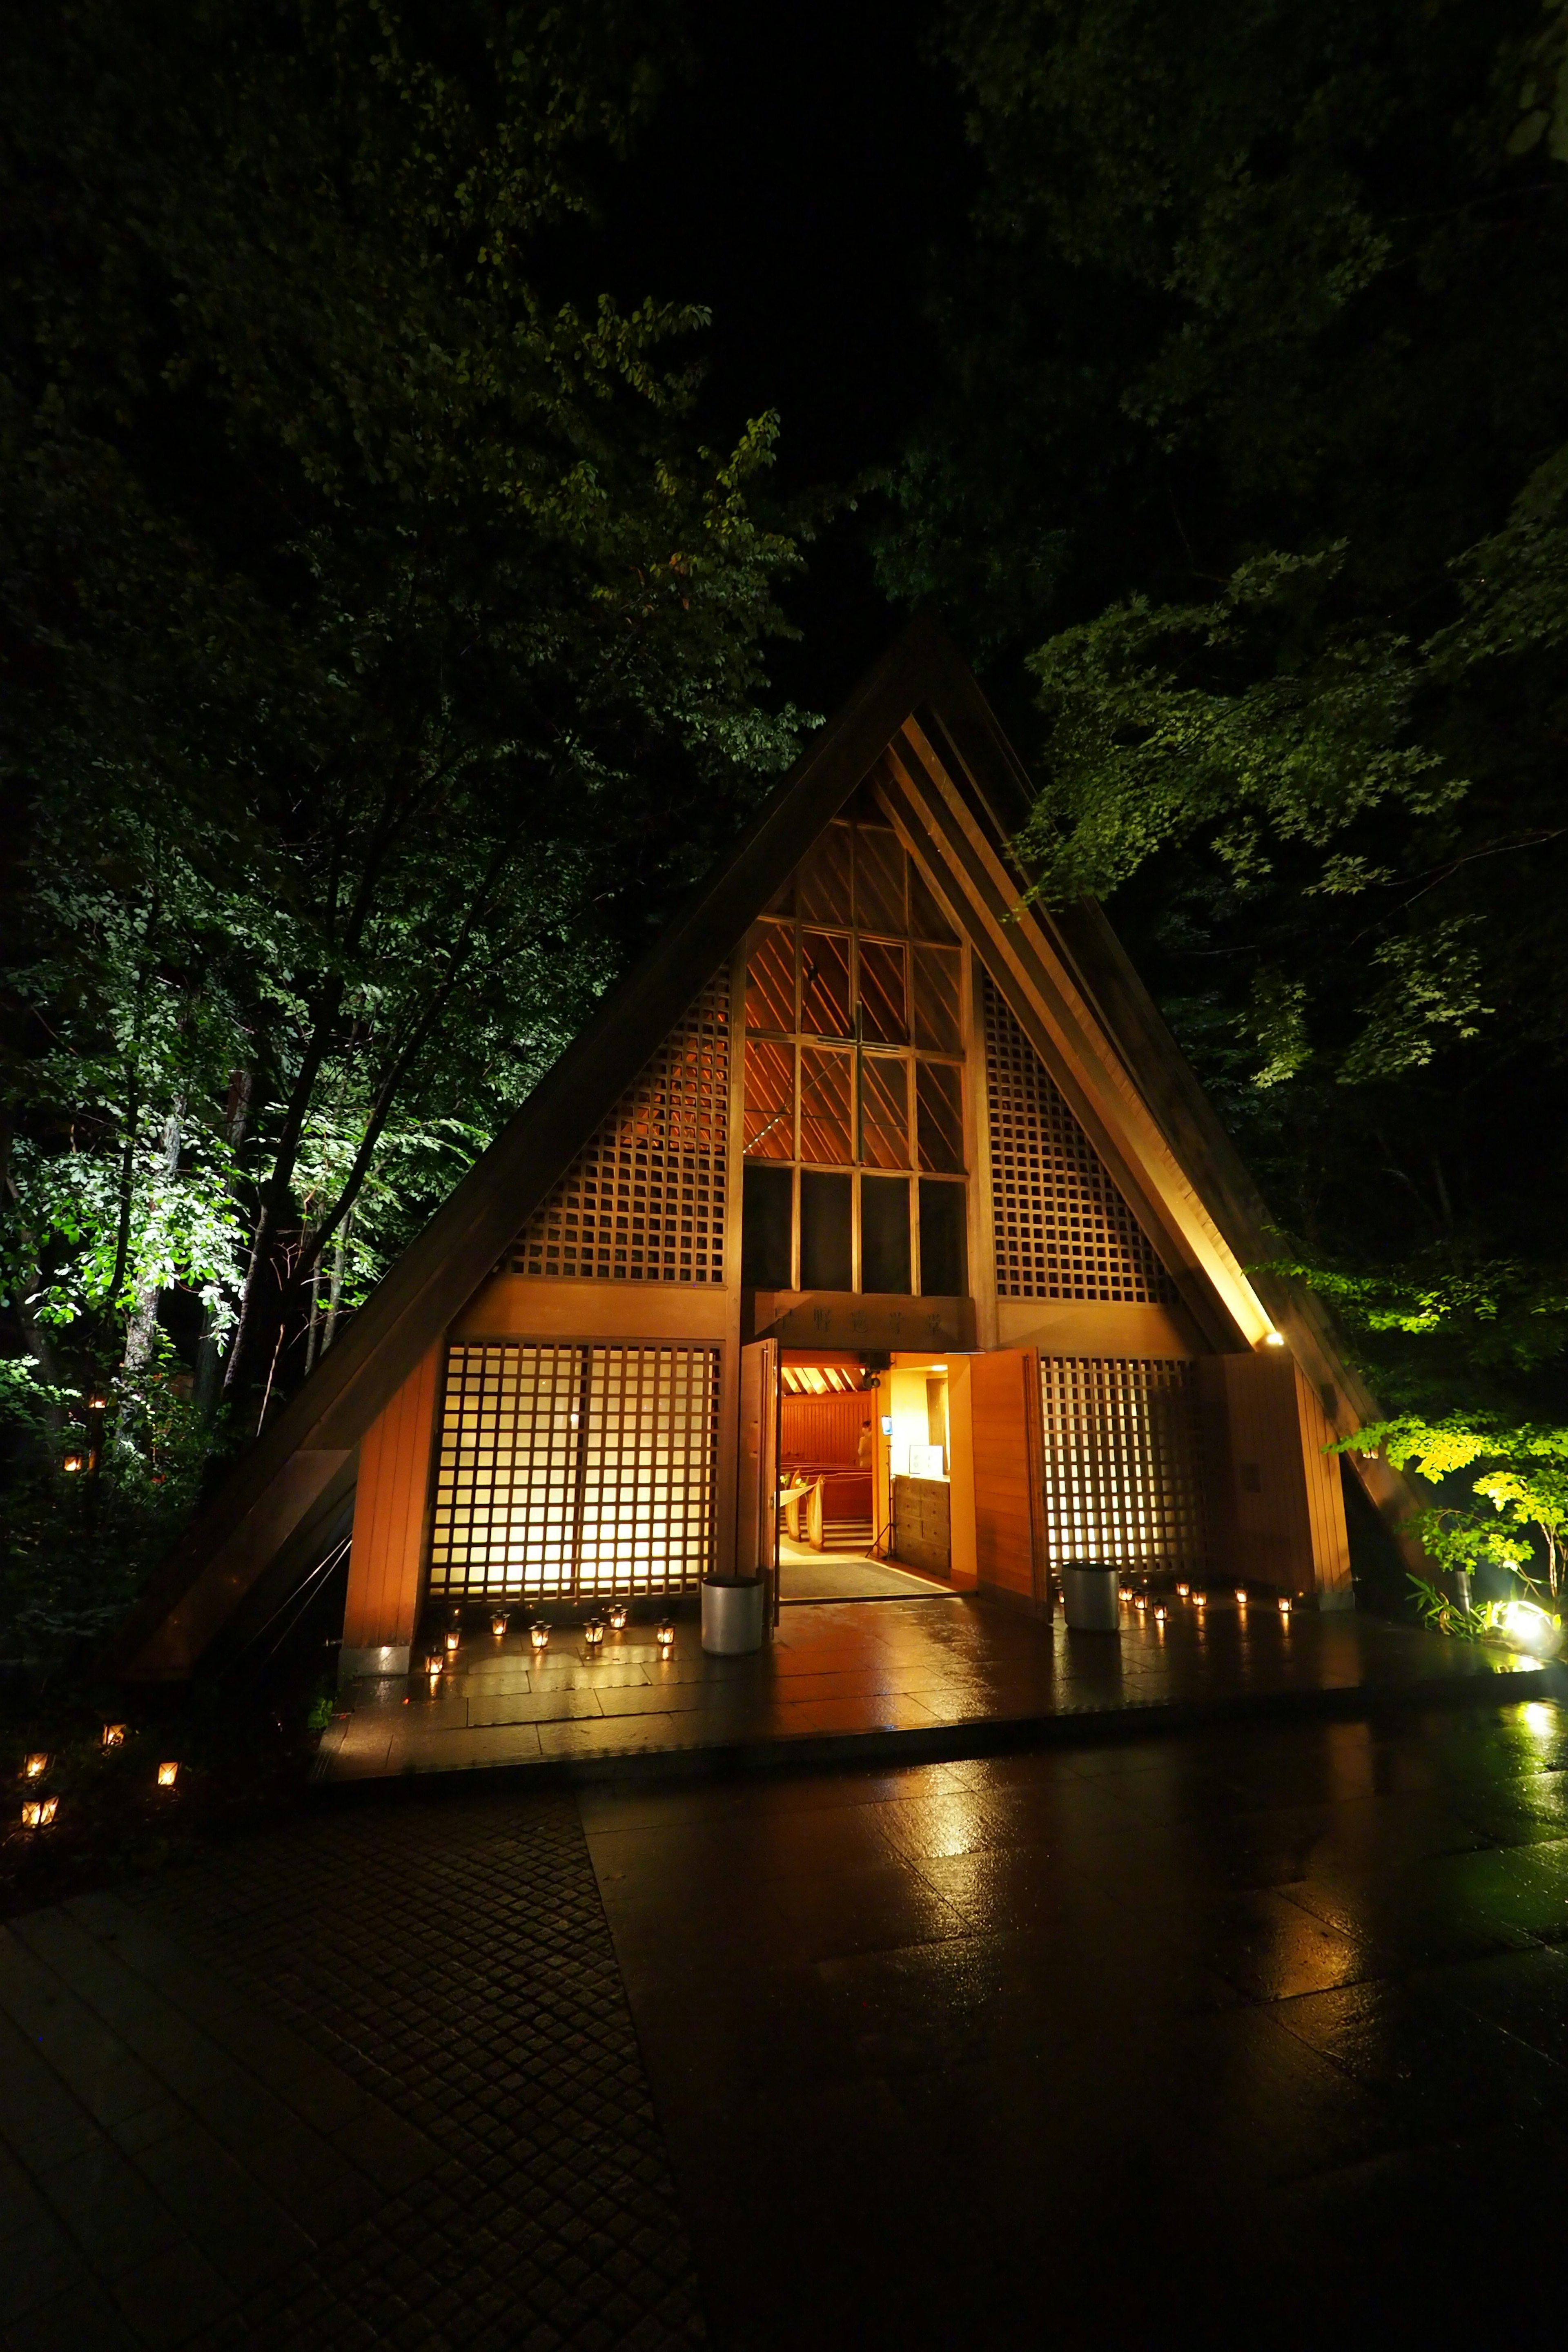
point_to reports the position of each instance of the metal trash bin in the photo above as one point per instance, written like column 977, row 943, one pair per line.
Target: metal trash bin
column 732, row 1614
column 1091, row 1589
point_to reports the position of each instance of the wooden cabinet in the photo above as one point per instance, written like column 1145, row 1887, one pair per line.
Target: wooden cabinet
column 922, row 1524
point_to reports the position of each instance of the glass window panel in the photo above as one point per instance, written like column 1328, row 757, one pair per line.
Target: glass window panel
column 824, row 985
column 770, row 981
column 822, row 883
column 938, row 1019
column 825, row 1213
column 879, row 881
column 824, row 1133
column 884, row 1000
column 884, row 1112
column 927, row 921
column 940, row 1117
column 944, row 1258
column 767, row 1216
column 885, row 1234
column 769, row 1125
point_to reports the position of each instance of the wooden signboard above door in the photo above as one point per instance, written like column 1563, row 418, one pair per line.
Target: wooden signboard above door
column 853, row 1320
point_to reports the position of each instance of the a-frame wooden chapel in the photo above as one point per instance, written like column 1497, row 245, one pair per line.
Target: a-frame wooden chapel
column 854, row 1112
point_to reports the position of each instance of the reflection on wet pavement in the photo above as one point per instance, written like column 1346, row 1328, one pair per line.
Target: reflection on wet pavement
column 1195, row 2037
column 862, row 1668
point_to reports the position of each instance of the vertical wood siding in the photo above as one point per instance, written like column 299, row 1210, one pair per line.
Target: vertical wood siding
column 389, row 1516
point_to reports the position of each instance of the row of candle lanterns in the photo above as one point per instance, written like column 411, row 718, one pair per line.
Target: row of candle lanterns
column 38, row 1812
column 538, row 1636
column 1198, row 1598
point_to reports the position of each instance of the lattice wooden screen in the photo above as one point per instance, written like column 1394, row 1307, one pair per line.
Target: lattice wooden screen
column 1062, row 1229
column 1121, row 1461
column 574, row 1470
column 644, row 1202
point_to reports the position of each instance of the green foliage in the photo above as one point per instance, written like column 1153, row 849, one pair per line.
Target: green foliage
column 1254, row 448
column 384, row 649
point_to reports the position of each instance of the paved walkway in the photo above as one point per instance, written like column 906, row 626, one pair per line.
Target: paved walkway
column 1255, row 2036
column 1192, row 2038
column 351, row 2082
column 849, row 1681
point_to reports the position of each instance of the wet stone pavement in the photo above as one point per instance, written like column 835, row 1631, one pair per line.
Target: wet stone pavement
column 899, row 1675
column 1254, row 2032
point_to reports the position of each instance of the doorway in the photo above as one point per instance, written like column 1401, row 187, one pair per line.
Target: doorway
column 835, row 1539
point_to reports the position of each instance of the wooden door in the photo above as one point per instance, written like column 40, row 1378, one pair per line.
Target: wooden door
column 1009, row 1530
column 756, row 1487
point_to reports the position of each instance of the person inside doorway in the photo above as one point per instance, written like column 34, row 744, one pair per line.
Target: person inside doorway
column 863, row 1450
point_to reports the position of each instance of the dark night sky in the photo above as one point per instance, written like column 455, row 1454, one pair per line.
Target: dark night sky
column 796, row 187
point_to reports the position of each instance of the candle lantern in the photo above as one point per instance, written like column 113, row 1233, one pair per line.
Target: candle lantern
column 114, row 1735
column 434, row 1662
column 167, row 1775
column 1159, row 1616
column 540, row 1635
column 453, row 1639
column 34, row 1767
column 618, row 1615
column 666, row 1636
column 1141, row 1601
column 74, row 1462
column 1241, row 1596
column 498, row 1624
column 1200, row 1599
column 1284, row 1604
column 1183, row 1591
column 593, row 1635
column 1124, row 1593
column 37, row 1813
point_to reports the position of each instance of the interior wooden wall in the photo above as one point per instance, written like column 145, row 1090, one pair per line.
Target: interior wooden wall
column 826, row 1428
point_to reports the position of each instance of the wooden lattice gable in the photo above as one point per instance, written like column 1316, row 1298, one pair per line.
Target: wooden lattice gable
column 644, row 1200
column 1062, row 1227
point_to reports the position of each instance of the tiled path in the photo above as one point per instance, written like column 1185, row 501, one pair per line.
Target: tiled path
column 366, row 2083
column 1254, row 2036
column 913, row 1675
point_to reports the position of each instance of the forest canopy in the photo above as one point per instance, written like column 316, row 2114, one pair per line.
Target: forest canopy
column 1253, row 454
column 383, row 647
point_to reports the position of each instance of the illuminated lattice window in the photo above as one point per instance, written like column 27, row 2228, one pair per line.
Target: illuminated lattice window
column 574, row 1470
column 644, row 1202
column 1062, row 1229
column 1121, row 1461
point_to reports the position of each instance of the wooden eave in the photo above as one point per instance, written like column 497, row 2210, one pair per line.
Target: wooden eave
column 956, row 791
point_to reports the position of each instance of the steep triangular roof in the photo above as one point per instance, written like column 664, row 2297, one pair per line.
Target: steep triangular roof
column 920, row 729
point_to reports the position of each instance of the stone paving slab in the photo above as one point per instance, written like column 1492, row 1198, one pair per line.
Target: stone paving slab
column 168, row 2147
column 876, row 1681
column 344, row 2083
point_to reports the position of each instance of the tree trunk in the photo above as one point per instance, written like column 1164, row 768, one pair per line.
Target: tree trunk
column 335, row 1296
column 144, row 1313
column 209, row 1355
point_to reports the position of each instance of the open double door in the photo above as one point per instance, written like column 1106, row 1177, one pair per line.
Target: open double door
column 756, row 1488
